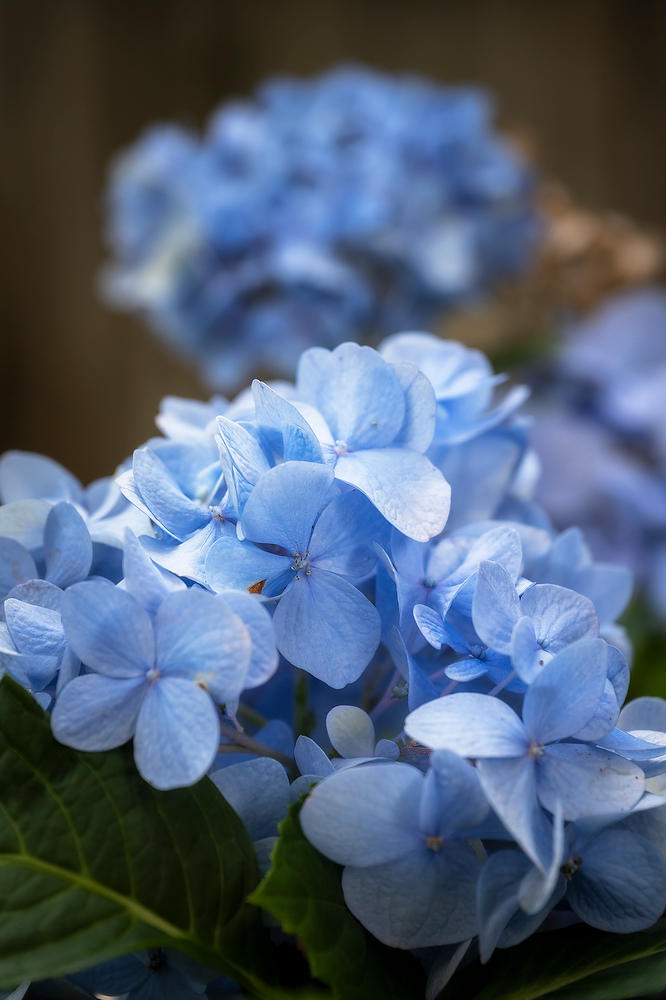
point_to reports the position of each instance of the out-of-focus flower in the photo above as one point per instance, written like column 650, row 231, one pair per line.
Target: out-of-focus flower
column 601, row 435
column 350, row 205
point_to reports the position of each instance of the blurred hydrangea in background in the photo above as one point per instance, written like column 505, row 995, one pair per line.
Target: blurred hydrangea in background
column 347, row 206
column 601, row 434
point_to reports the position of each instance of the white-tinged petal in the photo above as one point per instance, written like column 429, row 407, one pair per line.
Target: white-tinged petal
column 351, row 731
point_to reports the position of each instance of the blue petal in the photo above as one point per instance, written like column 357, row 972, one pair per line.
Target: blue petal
column 633, row 746
column 462, row 801
column 609, row 893
column 587, row 781
column 510, row 785
column 242, row 460
column 165, row 500
column 67, row 546
column 23, row 521
column 501, row 545
column 326, row 626
column 403, row 485
column 431, row 626
column 466, row 670
column 472, row 725
column 351, row 731
column 148, row 584
column 235, row 565
column 33, row 629
column 188, row 558
column 263, row 654
column 16, row 565
column 565, row 695
column 607, row 586
column 342, row 535
column 418, row 425
column 497, row 896
column 94, row 712
column 365, row 815
column 617, row 671
column 177, row 733
column 357, row 392
column 496, row 607
column 604, row 718
column 285, row 504
column 107, row 629
column 40, row 593
column 198, row 636
column 25, row 475
column 527, row 656
column 310, row 758
column 644, row 713
column 424, row 899
column 290, row 437
column 258, row 790
column 560, row 616
column 421, row 688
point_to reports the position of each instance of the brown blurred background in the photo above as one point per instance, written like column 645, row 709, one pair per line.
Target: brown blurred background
column 80, row 79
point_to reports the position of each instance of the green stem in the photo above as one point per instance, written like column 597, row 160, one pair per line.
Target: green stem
column 251, row 715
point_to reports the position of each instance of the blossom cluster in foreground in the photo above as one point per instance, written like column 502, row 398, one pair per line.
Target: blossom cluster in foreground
column 352, row 202
column 342, row 588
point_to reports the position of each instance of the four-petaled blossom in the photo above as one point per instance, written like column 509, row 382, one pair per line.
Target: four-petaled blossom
column 157, row 681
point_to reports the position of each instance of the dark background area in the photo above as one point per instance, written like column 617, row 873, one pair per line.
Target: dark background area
column 81, row 78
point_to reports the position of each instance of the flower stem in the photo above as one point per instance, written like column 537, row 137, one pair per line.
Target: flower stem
column 240, row 742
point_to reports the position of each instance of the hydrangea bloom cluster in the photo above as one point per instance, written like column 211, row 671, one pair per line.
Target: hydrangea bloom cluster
column 602, row 435
column 367, row 535
column 320, row 209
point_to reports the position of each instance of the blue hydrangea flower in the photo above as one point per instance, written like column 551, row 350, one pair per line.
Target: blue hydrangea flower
column 155, row 974
column 379, row 419
column 155, row 681
column 29, row 486
column 320, row 210
column 322, row 622
column 409, row 875
column 529, row 766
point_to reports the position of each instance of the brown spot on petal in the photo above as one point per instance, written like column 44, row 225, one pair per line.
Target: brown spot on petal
column 257, row 587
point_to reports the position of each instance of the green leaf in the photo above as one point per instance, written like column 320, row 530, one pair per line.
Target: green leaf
column 578, row 963
column 95, row 863
column 303, row 891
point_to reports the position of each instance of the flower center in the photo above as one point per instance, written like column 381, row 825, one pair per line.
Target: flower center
column 152, row 674
column 216, row 513
column 536, row 750
column 301, row 564
column 570, row 867
column 341, row 447
column 434, row 843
